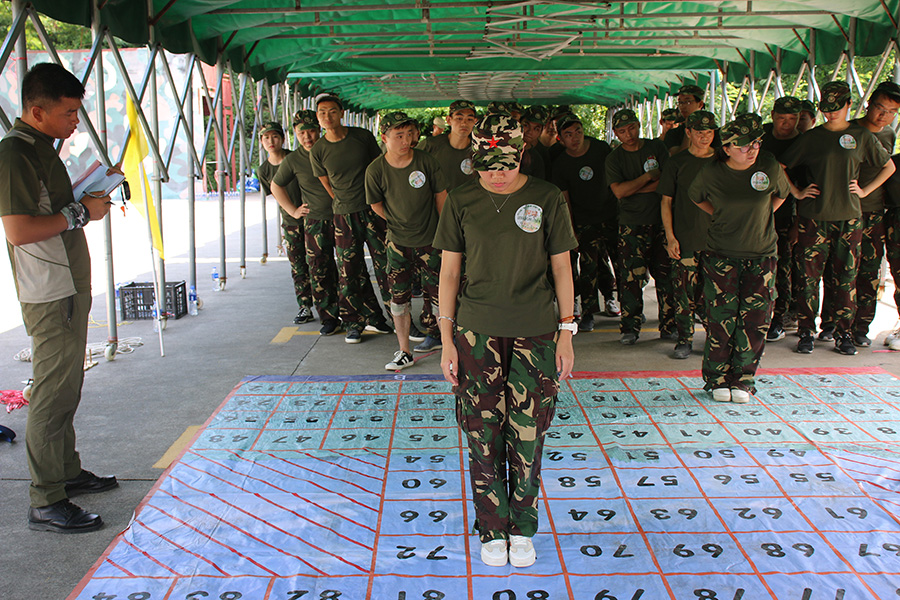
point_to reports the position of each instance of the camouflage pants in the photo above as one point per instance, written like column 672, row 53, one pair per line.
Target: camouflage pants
column 687, row 295
column 358, row 304
column 296, row 253
column 596, row 245
column 821, row 240
column 641, row 253
column 504, row 404
column 783, row 275
column 739, row 295
column 322, row 270
column 871, row 253
column 405, row 264
column 892, row 248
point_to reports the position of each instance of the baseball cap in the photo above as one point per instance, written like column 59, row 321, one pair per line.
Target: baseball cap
column 787, row 105
column 700, row 120
column 305, row 119
column 395, row 119
column 624, row 117
column 670, row 114
column 693, row 90
column 567, row 120
column 272, row 126
column 440, row 122
column 458, row 105
column 744, row 129
column 808, row 106
column 497, row 143
column 329, row 98
column 535, row 114
column 500, row 108
column 835, row 95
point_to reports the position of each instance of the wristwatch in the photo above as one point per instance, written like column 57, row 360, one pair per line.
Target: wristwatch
column 572, row 327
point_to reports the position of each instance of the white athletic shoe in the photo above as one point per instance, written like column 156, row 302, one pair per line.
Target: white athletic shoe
column 892, row 341
column 493, row 553
column 521, row 551
column 740, row 396
column 721, row 395
column 612, row 307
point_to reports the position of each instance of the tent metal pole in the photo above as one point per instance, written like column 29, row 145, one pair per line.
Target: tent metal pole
column 765, row 91
column 751, row 87
column 157, row 176
column 876, row 75
column 271, row 94
column 221, row 162
column 242, row 169
column 812, row 92
column 726, row 105
column 196, row 171
column 779, row 83
column 799, row 79
column 18, row 14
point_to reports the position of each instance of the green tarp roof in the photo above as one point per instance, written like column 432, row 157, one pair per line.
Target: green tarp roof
column 401, row 53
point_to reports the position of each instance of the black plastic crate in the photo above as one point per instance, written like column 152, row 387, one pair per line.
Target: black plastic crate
column 136, row 300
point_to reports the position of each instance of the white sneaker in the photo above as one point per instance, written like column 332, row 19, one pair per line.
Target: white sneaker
column 493, row 553
column 721, row 395
column 401, row 361
column 892, row 341
column 577, row 307
column 612, row 308
column 521, row 551
column 740, row 396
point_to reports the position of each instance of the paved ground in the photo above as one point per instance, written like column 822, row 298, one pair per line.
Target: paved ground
column 135, row 408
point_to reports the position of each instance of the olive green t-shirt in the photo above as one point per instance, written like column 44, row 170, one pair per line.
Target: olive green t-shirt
column 345, row 163
column 266, row 172
column 868, row 172
column 34, row 181
column 533, row 164
column 675, row 138
column 408, row 197
column 892, row 186
column 743, row 223
column 784, row 216
column 455, row 163
column 621, row 165
column 295, row 168
column 689, row 222
column 833, row 159
column 506, row 292
column 584, row 177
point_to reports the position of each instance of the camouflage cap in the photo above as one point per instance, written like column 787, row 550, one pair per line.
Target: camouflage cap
column 835, row 95
column 458, row 105
column 395, row 119
column 787, row 105
column 328, row 97
column 560, row 111
column 694, row 90
column 744, row 129
column 516, row 106
column 701, row 120
column 498, row 108
column 271, row 126
column 497, row 143
column 808, row 106
column 670, row 114
column 888, row 88
column 624, row 117
column 535, row 114
column 567, row 120
column 305, row 119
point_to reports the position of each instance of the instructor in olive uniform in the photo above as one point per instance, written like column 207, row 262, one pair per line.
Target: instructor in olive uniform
column 52, row 270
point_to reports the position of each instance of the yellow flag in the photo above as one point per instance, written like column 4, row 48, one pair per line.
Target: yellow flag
column 135, row 153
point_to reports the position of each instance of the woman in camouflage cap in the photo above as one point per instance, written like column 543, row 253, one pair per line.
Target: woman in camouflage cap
column 504, row 345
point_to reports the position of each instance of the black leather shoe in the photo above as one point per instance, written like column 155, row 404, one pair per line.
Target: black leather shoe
column 88, row 483
column 63, row 517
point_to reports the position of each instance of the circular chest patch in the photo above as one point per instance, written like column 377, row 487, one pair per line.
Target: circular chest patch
column 759, row 181
column 466, row 166
column 529, row 217
column 848, row 142
column 586, row 173
column 651, row 164
column 417, row 179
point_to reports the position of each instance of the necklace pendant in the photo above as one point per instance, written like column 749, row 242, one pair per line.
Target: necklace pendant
column 498, row 211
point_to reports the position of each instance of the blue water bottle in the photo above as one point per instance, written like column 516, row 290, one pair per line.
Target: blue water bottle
column 215, row 279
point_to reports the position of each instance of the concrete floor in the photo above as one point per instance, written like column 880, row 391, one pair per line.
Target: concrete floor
column 137, row 406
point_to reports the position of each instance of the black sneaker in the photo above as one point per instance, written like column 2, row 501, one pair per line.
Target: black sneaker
column 670, row 336
column 380, row 326
column 354, row 336
column 415, row 335
column 330, row 326
column 586, row 323
column 629, row 338
column 861, row 339
column 304, row 316
column 843, row 344
column 428, row 345
column 827, row 333
column 401, row 361
column 806, row 343
column 776, row 332
column 682, row 351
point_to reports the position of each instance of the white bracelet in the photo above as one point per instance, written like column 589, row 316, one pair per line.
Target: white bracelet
column 451, row 319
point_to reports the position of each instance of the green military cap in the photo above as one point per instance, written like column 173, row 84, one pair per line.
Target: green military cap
column 497, row 143
column 888, row 88
column 835, row 95
column 328, row 97
column 458, row 105
column 305, row 119
column 559, row 111
column 498, row 108
column 272, row 126
column 787, row 105
column 808, row 106
column 395, row 119
column 535, row 114
column 624, row 117
column 701, row 120
column 694, row 90
column 516, row 107
column 670, row 114
column 745, row 128
column 567, row 120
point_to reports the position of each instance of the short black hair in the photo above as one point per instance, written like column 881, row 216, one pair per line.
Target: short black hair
column 48, row 83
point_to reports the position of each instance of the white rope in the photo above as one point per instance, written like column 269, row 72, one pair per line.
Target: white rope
column 123, row 346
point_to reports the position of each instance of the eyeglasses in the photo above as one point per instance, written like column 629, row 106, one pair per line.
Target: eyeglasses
column 885, row 111
column 745, row 149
